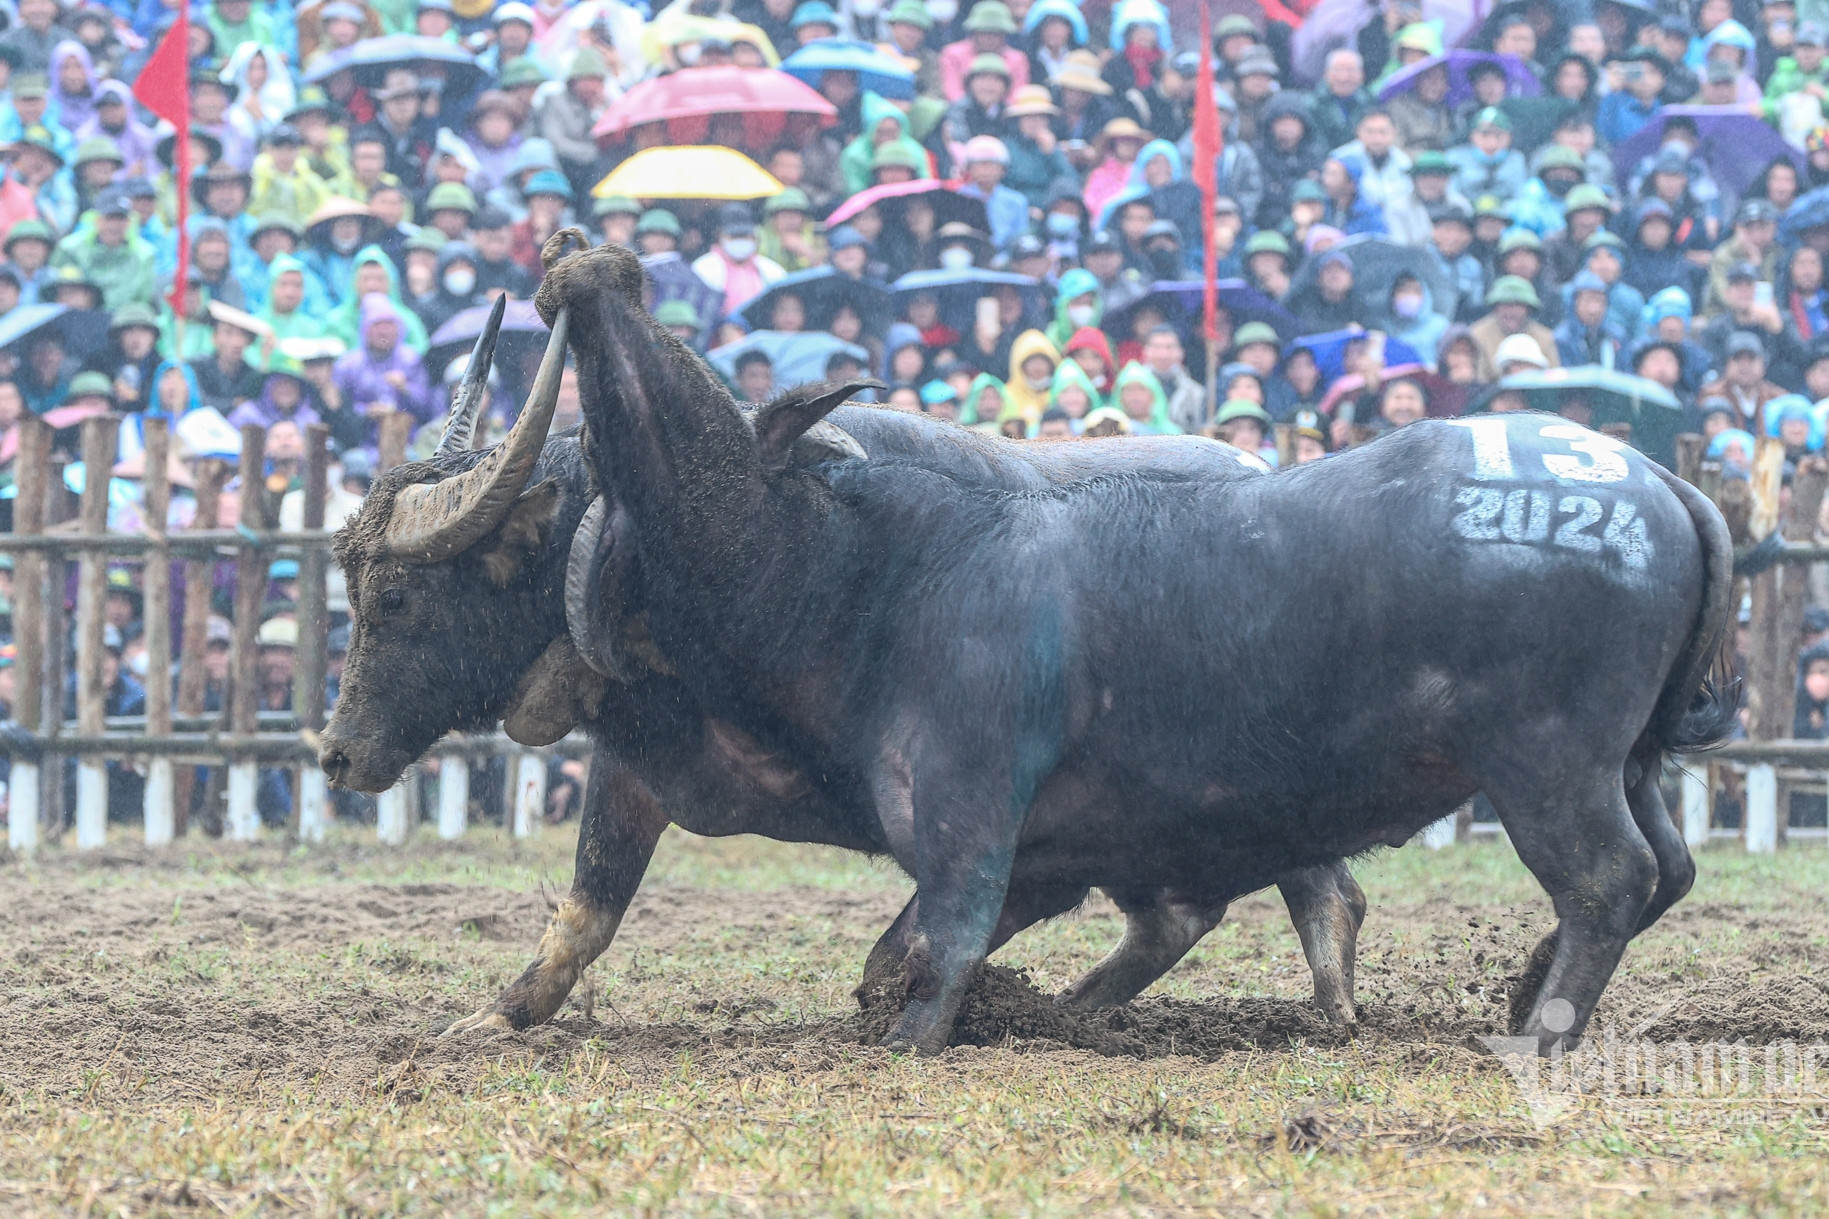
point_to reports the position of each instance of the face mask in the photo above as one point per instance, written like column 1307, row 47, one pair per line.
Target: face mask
column 1407, row 306
column 739, row 249
column 1060, row 224
column 942, row 11
column 460, row 282
column 1081, row 315
column 1165, row 263
column 687, row 53
column 956, row 258
column 1559, row 186
column 1038, row 383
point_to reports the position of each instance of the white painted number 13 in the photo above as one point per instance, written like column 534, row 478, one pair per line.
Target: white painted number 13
column 1596, row 457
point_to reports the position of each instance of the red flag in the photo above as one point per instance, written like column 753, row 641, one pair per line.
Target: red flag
column 164, row 89
column 1208, row 139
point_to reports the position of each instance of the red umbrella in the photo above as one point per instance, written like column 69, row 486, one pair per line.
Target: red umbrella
column 761, row 98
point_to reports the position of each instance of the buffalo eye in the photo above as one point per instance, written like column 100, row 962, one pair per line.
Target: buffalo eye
column 392, row 601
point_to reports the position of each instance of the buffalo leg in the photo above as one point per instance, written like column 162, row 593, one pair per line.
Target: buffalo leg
column 1327, row 907
column 1676, row 872
column 1157, row 933
column 622, row 822
column 1583, row 846
column 1025, row 906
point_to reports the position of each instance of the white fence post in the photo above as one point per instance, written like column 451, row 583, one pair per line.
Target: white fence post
column 529, row 795
column 244, row 818
column 453, row 796
column 23, row 808
column 91, row 805
column 313, row 804
column 1696, row 798
column 391, row 815
column 1762, row 808
column 160, row 816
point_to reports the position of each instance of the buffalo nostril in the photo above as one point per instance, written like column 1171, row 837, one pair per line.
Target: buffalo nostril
column 334, row 763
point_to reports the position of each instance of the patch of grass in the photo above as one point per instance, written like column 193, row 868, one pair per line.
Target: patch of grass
column 174, row 1045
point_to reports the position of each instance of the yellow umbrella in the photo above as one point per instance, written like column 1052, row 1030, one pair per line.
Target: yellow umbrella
column 689, row 171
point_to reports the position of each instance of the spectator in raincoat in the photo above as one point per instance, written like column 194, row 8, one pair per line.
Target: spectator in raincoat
column 884, row 126
column 1586, row 335
column 1054, row 29
column 373, row 275
column 288, row 290
column 283, row 184
column 114, row 258
column 284, row 397
column 72, row 99
column 1158, row 178
column 381, row 373
column 1139, row 395
column 1076, row 304
column 1037, row 164
column 1074, row 394
column 113, row 121
column 1033, row 359
column 263, row 90
column 1415, row 319
column 988, row 30
column 984, row 404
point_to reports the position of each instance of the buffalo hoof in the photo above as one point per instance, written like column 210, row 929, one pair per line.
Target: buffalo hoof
column 488, row 1018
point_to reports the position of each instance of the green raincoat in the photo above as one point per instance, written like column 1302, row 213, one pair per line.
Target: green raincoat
column 297, row 324
column 1158, row 423
column 970, row 415
column 855, row 160
column 1069, row 372
column 1077, row 282
column 345, row 321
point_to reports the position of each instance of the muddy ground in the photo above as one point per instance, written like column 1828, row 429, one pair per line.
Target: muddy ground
column 175, row 987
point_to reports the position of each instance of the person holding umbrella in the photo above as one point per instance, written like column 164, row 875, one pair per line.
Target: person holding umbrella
column 735, row 266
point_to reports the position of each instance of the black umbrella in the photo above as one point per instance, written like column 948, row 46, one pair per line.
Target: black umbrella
column 1613, row 399
column 823, row 291
column 1377, row 262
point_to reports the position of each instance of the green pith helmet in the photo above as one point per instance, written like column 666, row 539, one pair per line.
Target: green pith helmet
column 1513, row 290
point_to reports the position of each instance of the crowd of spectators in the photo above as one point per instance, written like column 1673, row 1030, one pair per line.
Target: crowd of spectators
column 994, row 207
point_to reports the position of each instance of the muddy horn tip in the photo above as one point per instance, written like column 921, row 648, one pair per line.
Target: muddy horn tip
column 555, row 247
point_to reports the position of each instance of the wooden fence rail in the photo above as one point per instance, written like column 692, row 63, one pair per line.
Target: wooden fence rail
column 176, row 738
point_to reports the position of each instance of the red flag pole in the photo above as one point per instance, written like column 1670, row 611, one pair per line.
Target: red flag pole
column 164, row 89
column 1208, row 139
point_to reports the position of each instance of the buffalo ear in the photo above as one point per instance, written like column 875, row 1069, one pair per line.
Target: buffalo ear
column 520, row 535
column 557, row 694
column 780, row 423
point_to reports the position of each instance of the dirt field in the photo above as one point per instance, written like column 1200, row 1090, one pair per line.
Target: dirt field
column 254, row 1031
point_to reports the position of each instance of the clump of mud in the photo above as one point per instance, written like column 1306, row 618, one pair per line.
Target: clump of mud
column 1005, row 1008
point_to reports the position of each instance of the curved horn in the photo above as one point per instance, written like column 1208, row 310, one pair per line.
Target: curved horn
column 584, row 619
column 433, row 521
column 468, row 401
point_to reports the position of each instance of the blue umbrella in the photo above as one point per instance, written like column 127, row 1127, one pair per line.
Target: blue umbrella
column 1736, row 146
column 876, row 71
column 673, row 279
column 959, row 292
column 24, row 320
column 1329, row 351
column 1807, row 211
column 797, row 357
column 372, row 57
column 823, row 291
column 1183, row 299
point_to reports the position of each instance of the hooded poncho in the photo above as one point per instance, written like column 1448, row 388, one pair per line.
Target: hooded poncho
column 346, row 321
column 1158, row 423
column 1028, row 399
column 363, row 375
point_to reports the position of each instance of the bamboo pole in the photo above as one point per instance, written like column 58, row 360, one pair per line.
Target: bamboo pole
column 26, row 809
column 1690, row 447
column 244, row 663
column 100, row 439
column 313, row 632
column 199, row 582
column 156, row 589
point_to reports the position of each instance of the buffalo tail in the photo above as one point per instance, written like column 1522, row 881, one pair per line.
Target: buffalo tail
column 1699, row 702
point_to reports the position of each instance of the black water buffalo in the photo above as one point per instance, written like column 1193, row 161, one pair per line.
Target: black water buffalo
column 534, row 614
column 1174, row 686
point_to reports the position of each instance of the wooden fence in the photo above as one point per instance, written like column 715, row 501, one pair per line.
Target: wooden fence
column 54, row 530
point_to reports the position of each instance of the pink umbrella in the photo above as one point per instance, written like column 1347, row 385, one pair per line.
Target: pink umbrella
column 762, row 99
column 902, row 190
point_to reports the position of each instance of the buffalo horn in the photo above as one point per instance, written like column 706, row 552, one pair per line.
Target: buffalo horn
column 469, row 399
column 433, row 521
column 581, row 592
